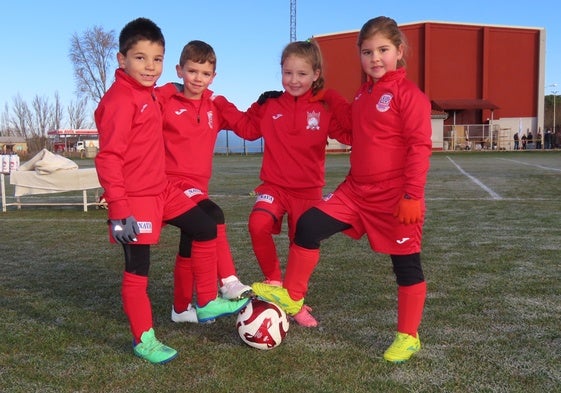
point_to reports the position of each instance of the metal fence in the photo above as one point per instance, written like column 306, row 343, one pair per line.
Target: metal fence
column 478, row 137
column 229, row 143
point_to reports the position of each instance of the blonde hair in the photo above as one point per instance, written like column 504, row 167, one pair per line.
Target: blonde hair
column 388, row 27
column 308, row 50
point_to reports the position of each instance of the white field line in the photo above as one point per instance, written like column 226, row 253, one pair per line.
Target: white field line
column 492, row 193
column 10, row 215
column 547, row 168
column 537, row 199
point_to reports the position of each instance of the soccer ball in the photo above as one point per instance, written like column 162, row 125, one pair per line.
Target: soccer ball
column 261, row 324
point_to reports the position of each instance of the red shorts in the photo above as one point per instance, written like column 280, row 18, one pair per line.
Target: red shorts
column 196, row 195
column 151, row 212
column 278, row 202
column 369, row 210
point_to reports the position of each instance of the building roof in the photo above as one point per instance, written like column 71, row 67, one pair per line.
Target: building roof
column 12, row 139
column 437, row 22
column 436, row 114
column 71, row 132
column 463, row 104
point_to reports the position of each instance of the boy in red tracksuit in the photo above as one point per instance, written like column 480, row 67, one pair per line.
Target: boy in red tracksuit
column 383, row 194
column 131, row 169
column 295, row 127
column 191, row 125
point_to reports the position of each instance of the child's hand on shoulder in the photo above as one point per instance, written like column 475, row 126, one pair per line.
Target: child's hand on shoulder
column 268, row 94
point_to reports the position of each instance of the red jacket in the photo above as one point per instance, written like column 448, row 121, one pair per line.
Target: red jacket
column 391, row 122
column 130, row 161
column 295, row 132
column 190, row 131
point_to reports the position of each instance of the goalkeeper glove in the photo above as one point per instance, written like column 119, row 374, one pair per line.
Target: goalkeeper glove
column 268, row 94
column 124, row 230
column 408, row 211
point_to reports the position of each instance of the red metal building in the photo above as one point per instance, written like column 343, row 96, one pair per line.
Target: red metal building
column 477, row 74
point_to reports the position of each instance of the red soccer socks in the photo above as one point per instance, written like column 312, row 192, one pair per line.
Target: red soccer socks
column 136, row 304
column 300, row 266
column 410, row 305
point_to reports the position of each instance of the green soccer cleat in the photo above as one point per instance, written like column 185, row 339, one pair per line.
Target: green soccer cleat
column 403, row 347
column 279, row 296
column 220, row 307
column 149, row 348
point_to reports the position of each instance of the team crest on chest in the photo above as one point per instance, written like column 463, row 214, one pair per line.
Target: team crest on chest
column 383, row 104
column 313, row 121
column 210, row 117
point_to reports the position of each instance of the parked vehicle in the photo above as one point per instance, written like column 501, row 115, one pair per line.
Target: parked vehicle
column 59, row 147
column 83, row 144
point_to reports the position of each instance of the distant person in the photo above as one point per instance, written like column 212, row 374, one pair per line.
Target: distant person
column 539, row 140
column 131, row 169
column 295, row 127
column 548, row 137
column 530, row 138
column 383, row 196
column 191, row 125
column 516, row 141
column 524, row 141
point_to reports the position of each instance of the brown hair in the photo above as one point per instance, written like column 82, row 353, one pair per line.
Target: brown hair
column 388, row 27
column 310, row 51
column 198, row 52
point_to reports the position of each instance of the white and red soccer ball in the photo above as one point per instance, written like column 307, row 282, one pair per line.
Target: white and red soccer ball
column 262, row 325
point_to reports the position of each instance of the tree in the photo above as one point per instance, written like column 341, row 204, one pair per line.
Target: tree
column 58, row 112
column 21, row 118
column 5, row 125
column 33, row 123
column 42, row 116
column 77, row 114
column 93, row 57
column 549, row 111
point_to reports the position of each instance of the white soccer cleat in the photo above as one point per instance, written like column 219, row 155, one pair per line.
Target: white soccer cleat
column 189, row 315
column 232, row 288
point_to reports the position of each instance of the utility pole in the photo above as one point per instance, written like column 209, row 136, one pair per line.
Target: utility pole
column 292, row 20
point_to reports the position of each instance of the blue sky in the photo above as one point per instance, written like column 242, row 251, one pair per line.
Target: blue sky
column 248, row 36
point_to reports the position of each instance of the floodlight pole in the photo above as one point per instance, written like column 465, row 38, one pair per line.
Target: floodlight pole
column 491, row 132
column 554, row 91
column 554, row 94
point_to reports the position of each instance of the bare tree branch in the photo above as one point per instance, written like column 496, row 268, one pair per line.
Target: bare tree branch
column 41, row 116
column 77, row 114
column 5, row 126
column 57, row 112
column 93, row 57
column 20, row 120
